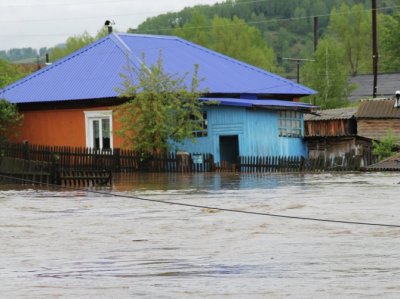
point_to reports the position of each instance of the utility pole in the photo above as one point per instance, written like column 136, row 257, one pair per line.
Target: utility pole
column 374, row 49
column 298, row 60
column 315, row 33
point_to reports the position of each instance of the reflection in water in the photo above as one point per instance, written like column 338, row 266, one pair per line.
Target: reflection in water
column 74, row 244
column 203, row 181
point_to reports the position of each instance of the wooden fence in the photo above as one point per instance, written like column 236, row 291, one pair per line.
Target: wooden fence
column 96, row 166
column 115, row 160
column 15, row 170
column 298, row 164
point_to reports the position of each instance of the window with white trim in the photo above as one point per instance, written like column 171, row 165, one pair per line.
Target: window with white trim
column 203, row 124
column 98, row 129
column 290, row 124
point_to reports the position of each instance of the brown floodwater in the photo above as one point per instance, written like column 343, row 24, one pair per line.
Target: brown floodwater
column 58, row 243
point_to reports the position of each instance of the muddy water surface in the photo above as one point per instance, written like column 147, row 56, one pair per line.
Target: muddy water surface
column 58, row 243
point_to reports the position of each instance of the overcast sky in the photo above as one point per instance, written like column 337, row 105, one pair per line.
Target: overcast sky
column 45, row 23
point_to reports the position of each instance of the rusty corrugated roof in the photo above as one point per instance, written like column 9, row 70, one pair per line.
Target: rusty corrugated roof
column 332, row 114
column 383, row 108
column 391, row 163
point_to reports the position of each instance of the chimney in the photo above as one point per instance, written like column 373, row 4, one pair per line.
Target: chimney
column 397, row 102
column 109, row 24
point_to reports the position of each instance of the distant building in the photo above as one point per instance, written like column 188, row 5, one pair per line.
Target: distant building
column 387, row 86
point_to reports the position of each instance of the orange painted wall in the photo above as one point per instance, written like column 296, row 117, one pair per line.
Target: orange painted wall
column 61, row 127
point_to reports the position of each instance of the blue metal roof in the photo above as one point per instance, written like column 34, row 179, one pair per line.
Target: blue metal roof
column 94, row 71
column 258, row 103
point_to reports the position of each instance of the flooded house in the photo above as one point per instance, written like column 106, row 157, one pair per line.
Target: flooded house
column 337, row 132
column 334, row 133
column 71, row 101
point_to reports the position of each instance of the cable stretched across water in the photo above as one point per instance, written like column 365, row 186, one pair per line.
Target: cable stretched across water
column 208, row 207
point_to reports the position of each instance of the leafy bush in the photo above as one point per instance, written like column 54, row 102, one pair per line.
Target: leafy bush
column 10, row 119
column 386, row 147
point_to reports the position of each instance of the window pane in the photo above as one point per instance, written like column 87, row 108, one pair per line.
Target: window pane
column 96, row 134
column 290, row 123
column 105, row 130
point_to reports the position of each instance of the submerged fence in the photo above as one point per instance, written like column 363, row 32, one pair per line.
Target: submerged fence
column 299, row 164
column 63, row 162
column 114, row 160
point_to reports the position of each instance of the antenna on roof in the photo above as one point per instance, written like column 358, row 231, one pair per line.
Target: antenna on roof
column 109, row 24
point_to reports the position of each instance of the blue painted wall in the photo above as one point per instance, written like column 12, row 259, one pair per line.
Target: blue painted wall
column 257, row 130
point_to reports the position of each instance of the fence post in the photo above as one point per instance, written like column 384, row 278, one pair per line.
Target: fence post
column 55, row 170
column 183, row 160
column 238, row 164
column 25, row 150
column 117, row 160
column 302, row 164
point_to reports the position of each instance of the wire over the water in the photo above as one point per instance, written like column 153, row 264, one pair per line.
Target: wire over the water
column 207, row 207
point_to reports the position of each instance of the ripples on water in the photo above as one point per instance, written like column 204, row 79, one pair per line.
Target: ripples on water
column 76, row 244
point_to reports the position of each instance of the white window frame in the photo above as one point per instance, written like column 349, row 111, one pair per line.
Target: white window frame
column 97, row 115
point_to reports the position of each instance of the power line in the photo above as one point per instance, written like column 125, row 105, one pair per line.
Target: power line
column 41, row 20
column 74, row 4
column 212, row 208
column 198, row 27
column 278, row 19
column 83, row 3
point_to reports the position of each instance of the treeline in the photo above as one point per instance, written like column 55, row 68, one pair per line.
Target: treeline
column 21, row 54
column 286, row 26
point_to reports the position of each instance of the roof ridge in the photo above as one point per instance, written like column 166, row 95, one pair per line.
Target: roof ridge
column 124, row 47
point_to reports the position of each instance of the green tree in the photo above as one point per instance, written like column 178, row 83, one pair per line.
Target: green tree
column 72, row 44
column 239, row 40
column 76, row 42
column 351, row 27
column 10, row 119
column 197, row 30
column 327, row 75
column 10, row 72
column 389, row 42
column 161, row 109
column 232, row 37
column 386, row 147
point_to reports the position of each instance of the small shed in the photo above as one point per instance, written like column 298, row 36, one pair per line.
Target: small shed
column 333, row 133
column 389, row 164
column 375, row 118
column 331, row 122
